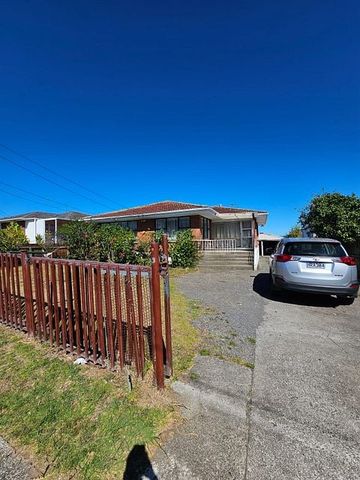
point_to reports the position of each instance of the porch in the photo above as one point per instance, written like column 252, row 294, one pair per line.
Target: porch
column 228, row 236
column 223, row 245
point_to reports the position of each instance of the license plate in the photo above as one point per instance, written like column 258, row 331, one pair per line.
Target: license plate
column 315, row 265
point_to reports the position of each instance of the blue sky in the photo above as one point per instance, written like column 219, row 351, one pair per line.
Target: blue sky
column 253, row 104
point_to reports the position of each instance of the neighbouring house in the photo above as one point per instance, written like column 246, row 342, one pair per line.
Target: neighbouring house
column 215, row 228
column 41, row 223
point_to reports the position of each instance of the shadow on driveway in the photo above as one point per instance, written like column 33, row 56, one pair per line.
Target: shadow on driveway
column 261, row 286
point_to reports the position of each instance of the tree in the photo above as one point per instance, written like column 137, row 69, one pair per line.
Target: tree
column 295, row 232
column 333, row 215
column 106, row 243
column 116, row 244
column 81, row 239
column 12, row 238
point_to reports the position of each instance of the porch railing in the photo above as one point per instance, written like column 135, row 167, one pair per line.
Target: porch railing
column 220, row 244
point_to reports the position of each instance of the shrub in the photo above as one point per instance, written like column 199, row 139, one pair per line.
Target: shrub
column 116, row 244
column 106, row 243
column 142, row 253
column 39, row 240
column 184, row 252
column 81, row 239
column 12, row 238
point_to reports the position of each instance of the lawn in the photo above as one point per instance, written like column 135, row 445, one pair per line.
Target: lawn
column 80, row 421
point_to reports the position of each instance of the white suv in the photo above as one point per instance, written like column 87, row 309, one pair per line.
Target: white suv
column 314, row 265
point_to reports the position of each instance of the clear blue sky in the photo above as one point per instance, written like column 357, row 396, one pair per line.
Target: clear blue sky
column 254, row 104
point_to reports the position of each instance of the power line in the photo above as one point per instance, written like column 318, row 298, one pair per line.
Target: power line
column 21, row 197
column 51, row 181
column 66, row 205
column 53, row 171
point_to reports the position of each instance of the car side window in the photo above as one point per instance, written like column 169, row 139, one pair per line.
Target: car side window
column 279, row 247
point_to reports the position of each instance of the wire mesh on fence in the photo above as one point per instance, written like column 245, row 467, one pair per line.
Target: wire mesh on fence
column 101, row 311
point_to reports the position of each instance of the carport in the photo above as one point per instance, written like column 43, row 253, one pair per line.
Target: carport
column 268, row 243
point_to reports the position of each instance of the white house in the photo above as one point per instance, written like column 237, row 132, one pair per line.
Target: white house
column 41, row 223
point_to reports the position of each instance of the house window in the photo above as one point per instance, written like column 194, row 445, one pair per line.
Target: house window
column 184, row 222
column 129, row 225
column 172, row 225
column 246, row 234
column 161, row 224
column 205, row 225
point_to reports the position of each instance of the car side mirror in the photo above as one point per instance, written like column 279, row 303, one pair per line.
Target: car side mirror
column 272, row 256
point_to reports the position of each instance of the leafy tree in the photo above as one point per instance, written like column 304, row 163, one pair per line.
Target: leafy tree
column 81, row 239
column 184, row 252
column 92, row 241
column 333, row 215
column 116, row 244
column 12, row 238
column 295, row 232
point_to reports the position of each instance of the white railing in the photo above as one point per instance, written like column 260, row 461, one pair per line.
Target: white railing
column 222, row 244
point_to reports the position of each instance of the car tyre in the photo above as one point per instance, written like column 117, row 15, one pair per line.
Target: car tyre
column 274, row 289
column 346, row 300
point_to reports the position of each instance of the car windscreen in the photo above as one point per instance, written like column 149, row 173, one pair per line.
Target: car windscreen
column 325, row 249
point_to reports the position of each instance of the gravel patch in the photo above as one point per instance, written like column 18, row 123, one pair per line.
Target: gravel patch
column 12, row 466
column 235, row 310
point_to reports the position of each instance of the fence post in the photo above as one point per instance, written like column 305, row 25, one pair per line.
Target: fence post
column 27, row 294
column 158, row 353
column 165, row 275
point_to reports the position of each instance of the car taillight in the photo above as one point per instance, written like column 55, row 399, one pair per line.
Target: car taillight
column 348, row 260
column 283, row 258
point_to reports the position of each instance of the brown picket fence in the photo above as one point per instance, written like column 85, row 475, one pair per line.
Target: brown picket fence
column 114, row 315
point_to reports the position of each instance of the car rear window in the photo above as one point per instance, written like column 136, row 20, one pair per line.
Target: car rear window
column 325, row 249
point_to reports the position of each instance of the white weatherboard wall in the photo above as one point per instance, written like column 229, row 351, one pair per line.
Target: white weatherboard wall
column 34, row 227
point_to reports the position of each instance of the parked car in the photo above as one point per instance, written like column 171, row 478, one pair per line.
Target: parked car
column 314, row 265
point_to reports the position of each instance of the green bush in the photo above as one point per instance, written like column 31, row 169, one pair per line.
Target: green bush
column 142, row 253
column 116, row 244
column 101, row 242
column 39, row 240
column 12, row 238
column 81, row 239
column 184, row 252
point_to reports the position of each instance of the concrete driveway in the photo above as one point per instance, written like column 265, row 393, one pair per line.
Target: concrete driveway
column 305, row 413
column 296, row 415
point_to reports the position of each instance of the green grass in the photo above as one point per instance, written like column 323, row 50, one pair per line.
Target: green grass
column 83, row 421
column 205, row 352
column 80, row 420
column 186, row 337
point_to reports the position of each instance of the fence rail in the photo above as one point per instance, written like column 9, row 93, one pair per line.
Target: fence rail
column 110, row 314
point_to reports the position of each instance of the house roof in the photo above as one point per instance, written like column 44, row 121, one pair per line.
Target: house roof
column 44, row 215
column 170, row 206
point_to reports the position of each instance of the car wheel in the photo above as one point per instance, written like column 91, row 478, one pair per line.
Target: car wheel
column 346, row 300
column 274, row 289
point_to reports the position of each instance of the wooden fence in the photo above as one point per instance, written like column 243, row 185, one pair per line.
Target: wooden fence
column 109, row 314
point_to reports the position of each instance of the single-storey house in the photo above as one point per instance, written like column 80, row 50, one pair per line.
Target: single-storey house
column 41, row 223
column 214, row 227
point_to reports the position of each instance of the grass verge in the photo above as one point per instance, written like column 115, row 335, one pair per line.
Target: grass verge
column 82, row 422
column 75, row 421
column 186, row 337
